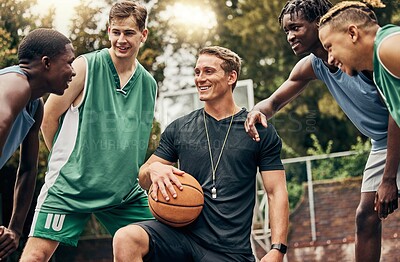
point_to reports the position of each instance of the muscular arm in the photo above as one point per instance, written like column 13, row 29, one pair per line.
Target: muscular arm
column 24, row 187
column 14, row 95
column 386, row 199
column 298, row 79
column 275, row 187
column 56, row 105
column 389, row 53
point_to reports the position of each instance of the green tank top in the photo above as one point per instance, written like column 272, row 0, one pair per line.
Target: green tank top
column 387, row 83
column 102, row 142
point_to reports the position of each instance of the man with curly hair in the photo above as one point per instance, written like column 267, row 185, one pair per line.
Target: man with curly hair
column 358, row 97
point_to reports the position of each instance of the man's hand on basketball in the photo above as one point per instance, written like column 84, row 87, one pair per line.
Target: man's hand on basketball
column 9, row 241
column 386, row 198
column 163, row 177
column 254, row 117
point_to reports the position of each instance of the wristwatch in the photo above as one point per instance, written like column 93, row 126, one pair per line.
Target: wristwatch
column 281, row 247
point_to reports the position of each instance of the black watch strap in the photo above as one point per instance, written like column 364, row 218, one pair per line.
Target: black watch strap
column 281, row 247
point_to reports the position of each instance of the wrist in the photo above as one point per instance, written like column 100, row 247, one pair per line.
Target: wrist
column 280, row 247
column 16, row 232
column 390, row 178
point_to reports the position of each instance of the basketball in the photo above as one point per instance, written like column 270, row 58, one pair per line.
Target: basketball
column 183, row 209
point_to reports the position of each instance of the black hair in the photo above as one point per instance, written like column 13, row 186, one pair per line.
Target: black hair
column 42, row 42
column 311, row 10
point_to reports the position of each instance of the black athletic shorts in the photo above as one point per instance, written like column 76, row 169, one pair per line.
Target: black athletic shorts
column 173, row 244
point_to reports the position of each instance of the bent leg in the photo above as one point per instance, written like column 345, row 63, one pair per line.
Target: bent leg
column 130, row 243
column 38, row 250
column 368, row 230
column 131, row 211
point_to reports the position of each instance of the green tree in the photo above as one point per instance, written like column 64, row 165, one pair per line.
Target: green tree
column 389, row 14
column 330, row 168
column 88, row 28
column 6, row 51
column 349, row 166
column 16, row 19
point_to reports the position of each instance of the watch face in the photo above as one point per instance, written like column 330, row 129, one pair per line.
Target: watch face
column 281, row 247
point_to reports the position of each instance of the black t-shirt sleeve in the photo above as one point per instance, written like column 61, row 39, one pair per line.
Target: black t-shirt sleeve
column 167, row 147
column 270, row 150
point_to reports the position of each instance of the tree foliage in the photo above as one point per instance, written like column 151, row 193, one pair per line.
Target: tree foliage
column 7, row 53
column 88, row 29
column 15, row 21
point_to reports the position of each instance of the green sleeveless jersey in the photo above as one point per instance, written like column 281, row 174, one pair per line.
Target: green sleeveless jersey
column 387, row 83
column 102, row 142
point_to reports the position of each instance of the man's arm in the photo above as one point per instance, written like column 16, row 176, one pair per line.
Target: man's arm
column 56, row 105
column 278, row 202
column 386, row 198
column 389, row 53
column 24, row 187
column 12, row 102
column 298, row 79
column 161, row 174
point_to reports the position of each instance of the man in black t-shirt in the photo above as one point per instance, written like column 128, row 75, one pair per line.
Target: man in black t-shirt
column 211, row 144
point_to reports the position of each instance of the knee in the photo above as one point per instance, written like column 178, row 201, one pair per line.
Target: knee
column 33, row 256
column 367, row 219
column 130, row 241
column 38, row 250
column 129, row 236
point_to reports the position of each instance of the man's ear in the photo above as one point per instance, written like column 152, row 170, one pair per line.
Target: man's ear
column 108, row 32
column 143, row 38
column 232, row 77
column 353, row 32
column 46, row 62
column 316, row 22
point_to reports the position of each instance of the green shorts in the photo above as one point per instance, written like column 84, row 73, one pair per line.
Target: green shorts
column 66, row 228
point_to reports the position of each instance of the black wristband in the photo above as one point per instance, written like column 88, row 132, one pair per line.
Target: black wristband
column 281, row 247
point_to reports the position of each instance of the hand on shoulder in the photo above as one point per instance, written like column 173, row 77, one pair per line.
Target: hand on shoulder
column 254, row 117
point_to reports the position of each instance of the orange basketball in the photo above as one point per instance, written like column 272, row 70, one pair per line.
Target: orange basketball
column 183, row 209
